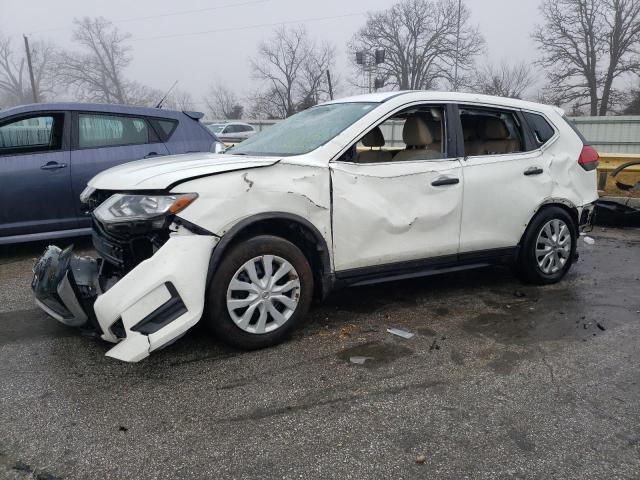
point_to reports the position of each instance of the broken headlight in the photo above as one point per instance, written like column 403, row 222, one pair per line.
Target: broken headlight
column 123, row 207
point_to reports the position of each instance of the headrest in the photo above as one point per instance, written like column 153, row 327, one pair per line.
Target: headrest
column 435, row 127
column 374, row 138
column 416, row 132
column 495, row 129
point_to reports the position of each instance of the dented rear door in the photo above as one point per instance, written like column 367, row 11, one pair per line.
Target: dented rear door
column 393, row 212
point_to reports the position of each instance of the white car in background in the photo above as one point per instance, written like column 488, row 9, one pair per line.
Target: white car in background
column 232, row 131
column 366, row 189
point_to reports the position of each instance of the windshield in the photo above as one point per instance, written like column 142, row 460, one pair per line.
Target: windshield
column 216, row 127
column 304, row 131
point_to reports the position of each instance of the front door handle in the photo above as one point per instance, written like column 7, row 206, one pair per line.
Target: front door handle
column 533, row 171
column 53, row 166
column 439, row 182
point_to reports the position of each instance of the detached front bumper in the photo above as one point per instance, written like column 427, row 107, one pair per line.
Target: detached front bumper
column 65, row 286
column 151, row 306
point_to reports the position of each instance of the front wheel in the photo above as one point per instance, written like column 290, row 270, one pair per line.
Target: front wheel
column 260, row 292
column 548, row 247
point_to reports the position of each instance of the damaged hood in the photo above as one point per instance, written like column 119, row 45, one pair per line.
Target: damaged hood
column 161, row 172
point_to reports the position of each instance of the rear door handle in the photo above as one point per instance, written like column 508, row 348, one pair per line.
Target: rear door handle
column 533, row 171
column 151, row 154
column 53, row 166
column 439, row 182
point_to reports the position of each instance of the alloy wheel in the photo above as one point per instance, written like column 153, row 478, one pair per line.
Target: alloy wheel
column 263, row 294
column 553, row 246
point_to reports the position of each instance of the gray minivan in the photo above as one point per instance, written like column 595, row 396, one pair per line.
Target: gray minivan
column 48, row 153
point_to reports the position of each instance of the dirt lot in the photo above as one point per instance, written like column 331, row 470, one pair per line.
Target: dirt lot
column 501, row 380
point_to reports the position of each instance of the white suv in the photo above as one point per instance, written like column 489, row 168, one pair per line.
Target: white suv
column 356, row 191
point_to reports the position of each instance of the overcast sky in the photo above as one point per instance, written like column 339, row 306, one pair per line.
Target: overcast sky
column 196, row 61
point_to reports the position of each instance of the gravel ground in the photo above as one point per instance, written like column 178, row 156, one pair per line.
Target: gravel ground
column 501, row 380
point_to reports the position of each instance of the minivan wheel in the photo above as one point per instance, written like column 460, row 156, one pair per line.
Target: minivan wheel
column 548, row 247
column 260, row 292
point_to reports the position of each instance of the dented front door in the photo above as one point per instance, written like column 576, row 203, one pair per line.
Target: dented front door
column 386, row 213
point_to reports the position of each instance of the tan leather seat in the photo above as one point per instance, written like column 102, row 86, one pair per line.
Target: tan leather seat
column 374, row 139
column 436, row 132
column 418, row 138
column 496, row 139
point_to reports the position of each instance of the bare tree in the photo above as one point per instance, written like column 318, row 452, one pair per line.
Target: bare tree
column 313, row 82
column 421, row 41
column 586, row 45
column 292, row 68
column 223, row 103
column 15, row 86
column 504, row 80
column 179, row 100
column 97, row 72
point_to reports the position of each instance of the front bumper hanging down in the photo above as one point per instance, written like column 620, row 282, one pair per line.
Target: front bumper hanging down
column 148, row 308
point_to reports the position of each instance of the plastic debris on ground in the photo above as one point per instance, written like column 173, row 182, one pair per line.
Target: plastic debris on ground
column 400, row 333
column 588, row 240
column 360, row 360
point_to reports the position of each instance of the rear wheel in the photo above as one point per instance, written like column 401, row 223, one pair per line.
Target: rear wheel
column 548, row 247
column 260, row 292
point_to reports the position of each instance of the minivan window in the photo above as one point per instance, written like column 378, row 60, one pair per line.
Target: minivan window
column 542, row 131
column 490, row 132
column 167, row 127
column 33, row 134
column 97, row 131
column 304, row 131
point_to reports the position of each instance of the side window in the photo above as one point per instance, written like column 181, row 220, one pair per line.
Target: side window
column 542, row 131
column 32, row 134
column 413, row 134
column 164, row 126
column 490, row 132
column 96, row 131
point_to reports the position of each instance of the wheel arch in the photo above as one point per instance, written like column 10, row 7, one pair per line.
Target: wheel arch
column 562, row 203
column 294, row 228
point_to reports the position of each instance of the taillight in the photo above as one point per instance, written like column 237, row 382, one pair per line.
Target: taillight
column 588, row 158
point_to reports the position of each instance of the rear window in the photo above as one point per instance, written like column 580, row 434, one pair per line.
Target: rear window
column 542, row 130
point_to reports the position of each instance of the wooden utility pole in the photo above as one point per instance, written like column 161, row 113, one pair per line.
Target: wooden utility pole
column 34, row 90
column 330, row 86
column 455, row 81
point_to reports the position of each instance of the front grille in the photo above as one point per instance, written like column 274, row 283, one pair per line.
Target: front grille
column 130, row 245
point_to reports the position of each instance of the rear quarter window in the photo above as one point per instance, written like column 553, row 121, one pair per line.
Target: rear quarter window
column 165, row 127
column 540, row 127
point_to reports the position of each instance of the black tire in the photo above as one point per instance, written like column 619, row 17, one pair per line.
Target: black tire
column 217, row 317
column 527, row 266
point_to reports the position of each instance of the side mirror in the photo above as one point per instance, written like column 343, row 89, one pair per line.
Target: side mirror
column 218, row 147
